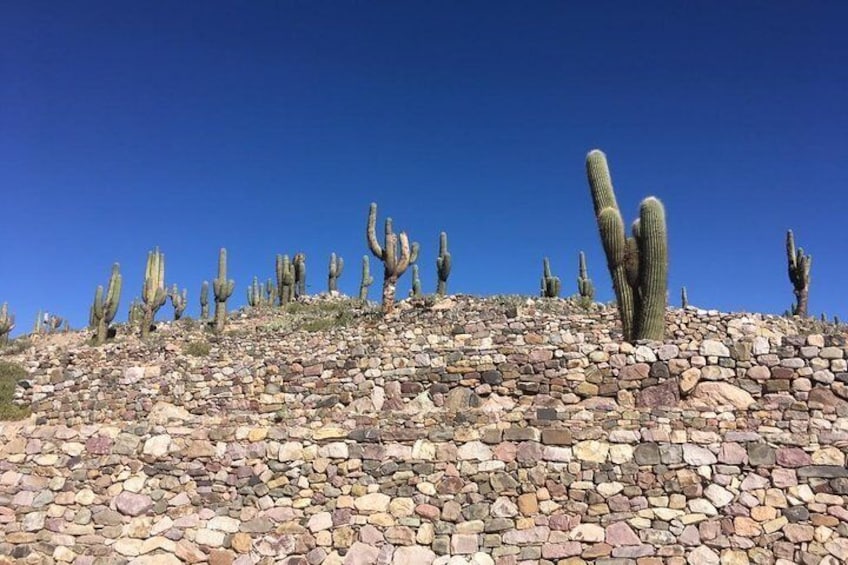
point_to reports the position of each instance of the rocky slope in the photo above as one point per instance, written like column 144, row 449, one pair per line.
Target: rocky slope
column 492, row 430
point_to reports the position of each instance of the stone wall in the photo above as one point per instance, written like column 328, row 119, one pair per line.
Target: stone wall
column 471, row 432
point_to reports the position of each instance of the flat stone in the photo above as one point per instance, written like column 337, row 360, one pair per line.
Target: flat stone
column 711, row 395
column 133, row 504
column 619, row 533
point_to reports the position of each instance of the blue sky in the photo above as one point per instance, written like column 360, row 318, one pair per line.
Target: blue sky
column 268, row 127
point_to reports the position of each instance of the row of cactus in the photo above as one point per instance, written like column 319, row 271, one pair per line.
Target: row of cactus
column 551, row 285
column 638, row 264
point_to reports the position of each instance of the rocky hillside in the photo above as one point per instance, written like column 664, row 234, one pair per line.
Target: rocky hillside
column 499, row 430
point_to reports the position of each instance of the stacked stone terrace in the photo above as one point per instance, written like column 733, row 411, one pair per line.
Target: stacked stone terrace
column 469, row 431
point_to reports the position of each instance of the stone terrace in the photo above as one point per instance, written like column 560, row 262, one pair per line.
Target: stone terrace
column 465, row 431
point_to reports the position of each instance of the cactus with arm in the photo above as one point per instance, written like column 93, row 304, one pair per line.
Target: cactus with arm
column 550, row 284
column 223, row 289
column 395, row 253
column 799, row 265
column 584, row 284
column 285, row 279
column 104, row 309
column 254, row 294
column 153, row 294
column 299, row 275
column 638, row 264
column 443, row 265
column 7, row 324
column 335, row 271
column 178, row 301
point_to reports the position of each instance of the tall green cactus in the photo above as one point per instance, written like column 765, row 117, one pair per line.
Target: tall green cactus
column 367, row 279
column 204, row 301
column 7, row 324
column 684, row 298
column 255, row 298
column 550, row 284
column 799, row 274
column 335, row 271
column 638, row 265
column 299, row 275
column 270, row 293
column 104, row 309
column 285, row 279
column 584, row 283
column 223, row 289
column 395, row 253
column 178, row 301
column 136, row 313
column 153, row 293
column 443, row 265
column 37, row 328
column 416, row 282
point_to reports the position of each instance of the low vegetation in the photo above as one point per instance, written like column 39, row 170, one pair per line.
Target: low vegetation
column 10, row 374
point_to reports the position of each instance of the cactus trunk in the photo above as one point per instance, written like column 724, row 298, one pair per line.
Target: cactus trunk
column 395, row 253
column 223, row 289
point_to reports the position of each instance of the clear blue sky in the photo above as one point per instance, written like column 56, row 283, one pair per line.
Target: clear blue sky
column 269, row 127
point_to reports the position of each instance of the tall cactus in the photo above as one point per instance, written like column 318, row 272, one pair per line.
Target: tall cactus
column 136, row 313
column 178, row 301
column 299, row 275
column 584, row 283
column 638, row 265
column 223, row 289
column 153, row 293
column 395, row 253
column 7, row 324
column 550, row 284
column 799, row 274
column 204, row 301
column 367, row 279
column 270, row 293
column 37, row 327
column 443, row 265
column 285, row 279
column 684, row 298
column 255, row 297
column 416, row 282
column 104, row 309
column 335, row 271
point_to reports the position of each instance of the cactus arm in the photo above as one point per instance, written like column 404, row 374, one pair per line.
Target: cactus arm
column 371, row 231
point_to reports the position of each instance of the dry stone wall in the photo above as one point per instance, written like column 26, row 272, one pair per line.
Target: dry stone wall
column 470, row 432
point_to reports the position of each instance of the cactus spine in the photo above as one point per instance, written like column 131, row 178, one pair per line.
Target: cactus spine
column 223, row 289
column 443, row 265
column 7, row 324
column 336, row 267
column 299, row 275
column 416, row 282
column 204, row 301
column 178, row 301
column 153, row 294
column 638, row 265
column 550, row 284
column 285, row 279
column 367, row 279
column 584, row 283
column 395, row 253
column 799, row 274
column 104, row 308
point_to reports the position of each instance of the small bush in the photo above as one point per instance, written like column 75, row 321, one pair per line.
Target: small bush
column 197, row 349
column 16, row 346
column 10, row 374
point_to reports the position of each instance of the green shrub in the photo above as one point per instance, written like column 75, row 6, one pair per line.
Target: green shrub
column 197, row 349
column 10, row 374
column 16, row 346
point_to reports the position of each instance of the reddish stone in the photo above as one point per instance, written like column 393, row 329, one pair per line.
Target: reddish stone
column 620, row 533
column 793, row 457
